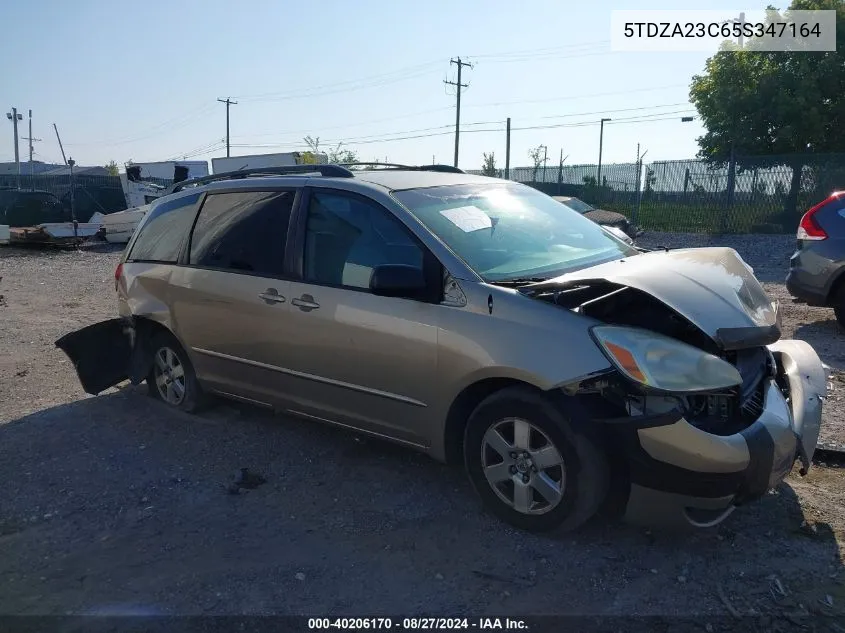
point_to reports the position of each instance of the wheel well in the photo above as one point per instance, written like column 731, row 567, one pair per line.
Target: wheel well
column 835, row 287
column 148, row 328
column 141, row 359
column 463, row 406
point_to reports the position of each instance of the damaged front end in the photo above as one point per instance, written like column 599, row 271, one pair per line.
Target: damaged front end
column 107, row 353
column 714, row 406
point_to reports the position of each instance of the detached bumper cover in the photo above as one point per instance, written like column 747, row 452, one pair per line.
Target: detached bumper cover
column 807, row 382
column 683, row 475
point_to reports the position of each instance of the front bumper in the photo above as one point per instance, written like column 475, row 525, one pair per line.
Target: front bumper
column 683, row 476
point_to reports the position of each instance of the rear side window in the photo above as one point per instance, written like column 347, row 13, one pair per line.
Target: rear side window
column 243, row 232
column 161, row 237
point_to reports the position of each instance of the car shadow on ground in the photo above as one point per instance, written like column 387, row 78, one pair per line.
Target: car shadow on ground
column 827, row 338
column 118, row 504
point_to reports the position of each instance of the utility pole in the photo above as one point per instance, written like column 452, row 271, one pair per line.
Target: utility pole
column 560, row 172
column 14, row 117
column 71, row 163
column 31, row 140
column 458, row 85
column 508, row 151
column 601, row 142
column 59, row 138
column 228, row 103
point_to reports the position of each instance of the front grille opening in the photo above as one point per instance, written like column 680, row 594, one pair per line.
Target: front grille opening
column 736, row 410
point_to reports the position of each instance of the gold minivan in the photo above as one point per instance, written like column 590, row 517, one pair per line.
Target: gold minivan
column 477, row 320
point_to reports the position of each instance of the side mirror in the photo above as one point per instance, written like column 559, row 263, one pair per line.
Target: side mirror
column 619, row 234
column 397, row 280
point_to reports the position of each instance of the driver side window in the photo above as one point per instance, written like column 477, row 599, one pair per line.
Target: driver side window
column 347, row 236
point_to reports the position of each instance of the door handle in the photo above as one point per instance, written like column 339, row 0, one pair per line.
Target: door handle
column 306, row 303
column 271, row 295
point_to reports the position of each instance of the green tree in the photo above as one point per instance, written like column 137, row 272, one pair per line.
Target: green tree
column 773, row 106
column 489, row 166
column 339, row 156
column 536, row 154
column 650, row 179
column 310, row 157
column 111, row 168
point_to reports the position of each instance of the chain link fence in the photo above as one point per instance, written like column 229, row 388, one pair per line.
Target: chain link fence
column 92, row 193
column 752, row 194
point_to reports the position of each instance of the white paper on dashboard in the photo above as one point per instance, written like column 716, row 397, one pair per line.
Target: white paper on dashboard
column 468, row 219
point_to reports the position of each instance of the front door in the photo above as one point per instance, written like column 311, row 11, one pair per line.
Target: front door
column 231, row 299
column 359, row 359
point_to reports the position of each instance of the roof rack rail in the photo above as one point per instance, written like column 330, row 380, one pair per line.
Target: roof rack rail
column 329, row 171
column 440, row 168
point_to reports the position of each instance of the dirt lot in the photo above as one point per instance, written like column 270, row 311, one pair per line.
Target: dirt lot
column 115, row 504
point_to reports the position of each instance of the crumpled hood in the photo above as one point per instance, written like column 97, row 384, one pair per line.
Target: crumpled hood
column 711, row 287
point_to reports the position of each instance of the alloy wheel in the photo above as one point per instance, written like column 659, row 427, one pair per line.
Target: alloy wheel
column 523, row 466
column 169, row 376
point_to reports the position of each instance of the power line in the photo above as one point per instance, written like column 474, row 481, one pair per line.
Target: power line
column 180, row 121
column 404, row 136
column 197, row 151
column 593, row 112
column 537, row 58
column 383, row 79
column 352, row 84
column 644, row 118
column 353, row 139
column 207, row 150
column 348, row 125
column 540, row 50
column 574, row 97
column 415, row 71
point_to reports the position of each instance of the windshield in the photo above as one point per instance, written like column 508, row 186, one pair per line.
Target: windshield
column 579, row 205
column 510, row 231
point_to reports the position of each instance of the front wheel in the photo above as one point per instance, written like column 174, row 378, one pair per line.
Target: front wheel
column 531, row 465
column 172, row 379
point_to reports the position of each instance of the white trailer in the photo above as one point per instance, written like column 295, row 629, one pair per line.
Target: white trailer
column 136, row 180
column 140, row 191
column 257, row 161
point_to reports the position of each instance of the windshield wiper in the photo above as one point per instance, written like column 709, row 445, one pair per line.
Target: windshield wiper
column 519, row 281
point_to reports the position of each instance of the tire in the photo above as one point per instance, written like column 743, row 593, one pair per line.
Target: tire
column 839, row 306
column 183, row 391
column 577, row 486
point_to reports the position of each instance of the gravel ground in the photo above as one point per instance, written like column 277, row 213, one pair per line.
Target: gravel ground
column 116, row 504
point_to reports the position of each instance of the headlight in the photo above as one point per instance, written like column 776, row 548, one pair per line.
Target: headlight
column 662, row 363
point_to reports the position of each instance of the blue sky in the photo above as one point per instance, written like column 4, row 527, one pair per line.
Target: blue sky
column 140, row 80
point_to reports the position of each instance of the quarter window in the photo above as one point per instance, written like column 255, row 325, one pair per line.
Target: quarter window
column 346, row 237
column 162, row 235
column 243, row 232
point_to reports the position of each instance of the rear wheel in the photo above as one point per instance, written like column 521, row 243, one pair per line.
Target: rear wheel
column 172, row 379
column 531, row 465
